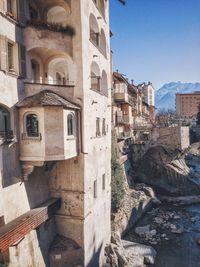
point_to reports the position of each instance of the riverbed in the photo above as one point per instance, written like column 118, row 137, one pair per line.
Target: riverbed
column 173, row 232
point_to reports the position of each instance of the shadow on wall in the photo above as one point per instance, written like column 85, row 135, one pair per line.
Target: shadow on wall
column 95, row 257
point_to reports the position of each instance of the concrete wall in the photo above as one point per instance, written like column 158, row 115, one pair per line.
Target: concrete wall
column 177, row 137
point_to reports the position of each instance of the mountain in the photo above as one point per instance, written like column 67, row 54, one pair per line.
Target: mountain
column 165, row 96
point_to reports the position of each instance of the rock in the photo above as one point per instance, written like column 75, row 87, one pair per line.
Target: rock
column 116, row 238
column 176, row 230
column 176, row 217
column 166, row 170
column 141, row 251
column 142, row 230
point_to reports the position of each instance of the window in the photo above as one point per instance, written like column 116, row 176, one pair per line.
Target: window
column 32, row 125
column 10, row 56
column 95, row 82
column 4, row 120
column 95, row 189
column 35, row 68
column 9, row 6
column 104, row 181
column 104, row 127
column 70, row 124
column 98, row 133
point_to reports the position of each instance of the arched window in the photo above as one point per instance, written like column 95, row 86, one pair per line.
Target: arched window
column 32, row 125
column 104, row 83
column 70, row 124
column 4, row 120
column 95, row 77
column 103, row 43
column 35, row 69
column 94, row 30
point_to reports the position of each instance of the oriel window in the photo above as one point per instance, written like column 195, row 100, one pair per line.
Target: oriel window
column 32, row 125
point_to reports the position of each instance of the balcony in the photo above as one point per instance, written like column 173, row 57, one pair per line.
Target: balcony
column 48, row 40
column 124, row 135
column 66, row 90
column 123, row 119
column 121, row 97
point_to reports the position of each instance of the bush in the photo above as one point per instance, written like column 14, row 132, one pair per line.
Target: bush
column 117, row 179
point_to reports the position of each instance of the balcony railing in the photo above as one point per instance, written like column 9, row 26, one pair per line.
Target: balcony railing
column 123, row 119
column 124, row 135
column 67, row 90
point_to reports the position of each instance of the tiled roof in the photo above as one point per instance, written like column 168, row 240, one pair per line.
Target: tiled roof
column 46, row 98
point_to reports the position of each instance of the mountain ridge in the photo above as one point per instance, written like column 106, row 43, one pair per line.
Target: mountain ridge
column 165, row 96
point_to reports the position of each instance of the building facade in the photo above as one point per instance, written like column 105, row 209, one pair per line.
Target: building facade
column 133, row 109
column 55, row 141
column 187, row 104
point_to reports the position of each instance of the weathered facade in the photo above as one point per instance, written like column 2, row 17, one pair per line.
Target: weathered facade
column 55, row 113
column 133, row 109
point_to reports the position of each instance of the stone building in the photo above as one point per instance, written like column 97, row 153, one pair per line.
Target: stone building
column 187, row 104
column 133, row 109
column 55, row 143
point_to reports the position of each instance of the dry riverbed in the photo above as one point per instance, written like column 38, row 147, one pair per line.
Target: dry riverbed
column 173, row 232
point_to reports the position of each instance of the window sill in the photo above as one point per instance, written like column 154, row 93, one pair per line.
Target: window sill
column 25, row 137
column 71, row 138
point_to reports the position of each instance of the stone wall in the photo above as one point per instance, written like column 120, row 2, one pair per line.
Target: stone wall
column 176, row 137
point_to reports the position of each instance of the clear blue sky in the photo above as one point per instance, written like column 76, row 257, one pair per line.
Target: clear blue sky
column 156, row 40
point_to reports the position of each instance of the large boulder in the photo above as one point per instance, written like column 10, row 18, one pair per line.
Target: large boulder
column 165, row 169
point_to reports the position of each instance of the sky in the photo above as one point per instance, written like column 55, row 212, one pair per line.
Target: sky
column 156, row 40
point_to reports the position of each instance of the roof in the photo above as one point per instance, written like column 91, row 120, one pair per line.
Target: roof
column 46, row 98
column 120, row 77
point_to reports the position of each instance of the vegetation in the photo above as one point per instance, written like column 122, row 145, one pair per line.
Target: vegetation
column 55, row 27
column 117, row 179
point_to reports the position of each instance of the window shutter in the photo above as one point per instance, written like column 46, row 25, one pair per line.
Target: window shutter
column 4, row 53
column 21, row 11
column 22, row 61
column 2, row 6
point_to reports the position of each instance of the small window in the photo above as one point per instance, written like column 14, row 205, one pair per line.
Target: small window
column 4, row 120
column 95, row 82
column 10, row 56
column 104, row 127
column 104, row 181
column 70, row 124
column 32, row 125
column 95, row 189
column 98, row 133
column 9, row 6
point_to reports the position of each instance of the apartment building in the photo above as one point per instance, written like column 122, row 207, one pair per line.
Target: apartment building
column 55, row 143
column 132, row 113
column 187, row 104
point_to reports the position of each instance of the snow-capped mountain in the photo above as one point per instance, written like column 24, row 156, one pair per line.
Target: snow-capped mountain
column 165, row 96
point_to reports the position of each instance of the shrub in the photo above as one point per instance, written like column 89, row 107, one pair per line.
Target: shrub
column 117, row 179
